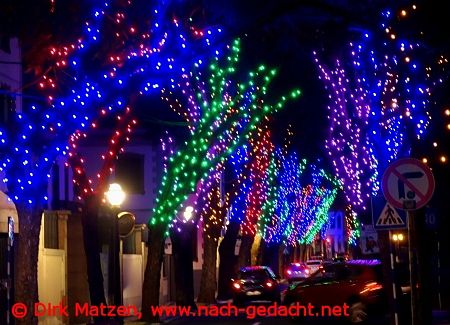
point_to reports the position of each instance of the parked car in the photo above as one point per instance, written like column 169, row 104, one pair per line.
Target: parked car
column 255, row 283
column 355, row 283
column 314, row 264
column 340, row 258
column 297, row 272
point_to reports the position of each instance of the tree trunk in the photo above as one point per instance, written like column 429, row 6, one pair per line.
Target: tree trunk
column 260, row 254
column 89, row 221
column 244, row 252
column 255, row 250
column 152, row 275
column 270, row 256
column 26, row 259
column 227, row 263
column 281, row 260
column 208, row 283
column 295, row 253
column 184, row 274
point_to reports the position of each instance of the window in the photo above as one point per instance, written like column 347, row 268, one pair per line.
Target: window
column 7, row 103
column 130, row 173
column 51, row 239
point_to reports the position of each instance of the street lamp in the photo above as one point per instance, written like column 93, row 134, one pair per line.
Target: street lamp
column 397, row 238
column 115, row 196
column 188, row 213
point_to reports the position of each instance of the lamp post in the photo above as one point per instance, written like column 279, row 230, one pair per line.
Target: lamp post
column 397, row 238
column 182, row 242
column 115, row 196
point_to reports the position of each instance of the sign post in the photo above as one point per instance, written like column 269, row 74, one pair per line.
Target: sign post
column 9, row 267
column 408, row 184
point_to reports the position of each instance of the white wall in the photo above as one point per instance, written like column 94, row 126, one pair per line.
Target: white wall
column 52, row 274
column 132, row 279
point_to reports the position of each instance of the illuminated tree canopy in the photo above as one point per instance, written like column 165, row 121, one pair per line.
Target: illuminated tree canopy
column 379, row 99
column 229, row 112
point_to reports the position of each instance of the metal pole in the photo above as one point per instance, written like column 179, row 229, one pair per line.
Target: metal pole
column 8, row 284
column 394, row 290
column 9, row 271
column 116, row 260
column 121, row 270
column 412, row 269
column 439, row 273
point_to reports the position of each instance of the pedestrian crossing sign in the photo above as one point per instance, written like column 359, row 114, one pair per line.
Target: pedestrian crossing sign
column 386, row 216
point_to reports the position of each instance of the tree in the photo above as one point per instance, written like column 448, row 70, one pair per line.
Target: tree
column 229, row 112
column 379, row 99
column 136, row 54
column 91, row 193
column 30, row 143
column 259, row 158
column 235, row 202
column 378, row 106
column 215, row 206
column 297, row 204
column 213, row 211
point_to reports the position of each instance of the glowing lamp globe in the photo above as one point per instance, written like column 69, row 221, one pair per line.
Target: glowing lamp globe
column 188, row 212
column 115, row 194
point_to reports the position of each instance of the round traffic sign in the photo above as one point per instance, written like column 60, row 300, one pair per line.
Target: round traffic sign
column 408, row 184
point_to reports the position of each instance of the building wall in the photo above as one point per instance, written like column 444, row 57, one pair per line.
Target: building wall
column 336, row 231
column 52, row 264
column 11, row 71
column 10, row 81
column 140, row 205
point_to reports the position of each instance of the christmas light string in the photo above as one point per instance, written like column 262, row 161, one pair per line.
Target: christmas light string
column 230, row 113
column 379, row 105
column 85, row 185
column 94, row 91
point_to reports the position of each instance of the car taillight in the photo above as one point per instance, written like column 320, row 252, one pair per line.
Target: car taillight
column 269, row 284
column 289, row 272
column 371, row 286
column 236, row 285
column 307, row 271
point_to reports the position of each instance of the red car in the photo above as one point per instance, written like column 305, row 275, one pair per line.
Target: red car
column 358, row 284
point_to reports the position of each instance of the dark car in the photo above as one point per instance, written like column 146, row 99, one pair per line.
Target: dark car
column 297, row 272
column 340, row 258
column 254, row 284
column 358, row 284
